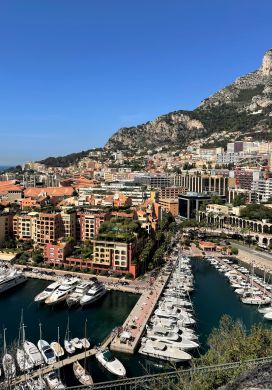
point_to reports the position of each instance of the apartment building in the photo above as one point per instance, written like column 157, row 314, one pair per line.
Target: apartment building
column 23, row 227
column 68, row 224
column 56, row 252
column 202, row 182
column 5, row 226
column 47, row 228
column 171, row 192
column 170, row 205
column 88, row 224
column 116, row 256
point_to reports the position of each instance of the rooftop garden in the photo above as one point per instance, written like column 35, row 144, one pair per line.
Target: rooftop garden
column 120, row 229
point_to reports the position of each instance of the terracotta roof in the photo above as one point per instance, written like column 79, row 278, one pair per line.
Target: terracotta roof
column 50, row 191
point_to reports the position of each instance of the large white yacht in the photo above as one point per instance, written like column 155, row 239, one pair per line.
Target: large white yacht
column 62, row 292
column 11, row 278
column 42, row 296
column 160, row 350
column 93, row 294
column 81, row 289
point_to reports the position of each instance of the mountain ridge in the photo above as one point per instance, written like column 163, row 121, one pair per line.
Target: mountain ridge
column 243, row 108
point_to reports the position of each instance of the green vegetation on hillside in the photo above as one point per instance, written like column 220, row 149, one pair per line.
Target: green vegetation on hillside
column 256, row 212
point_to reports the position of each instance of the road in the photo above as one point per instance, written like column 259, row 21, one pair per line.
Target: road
column 248, row 255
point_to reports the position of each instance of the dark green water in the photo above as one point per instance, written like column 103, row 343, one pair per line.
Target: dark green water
column 212, row 298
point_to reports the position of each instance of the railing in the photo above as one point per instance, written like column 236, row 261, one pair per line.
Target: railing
column 160, row 380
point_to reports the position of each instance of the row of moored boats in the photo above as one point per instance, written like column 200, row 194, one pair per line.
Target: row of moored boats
column 251, row 289
column 170, row 333
column 73, row 291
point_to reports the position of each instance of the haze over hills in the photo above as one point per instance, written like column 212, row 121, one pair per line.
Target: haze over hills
column 242, row 109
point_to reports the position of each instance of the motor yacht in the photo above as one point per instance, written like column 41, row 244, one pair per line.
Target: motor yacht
column 160, row 350
column 42, row 296
column 62, row 292
column 10, row 279
column 47, row 352
column 111, row 363
column 81, row 289
column 96, row 292
column 268, row 315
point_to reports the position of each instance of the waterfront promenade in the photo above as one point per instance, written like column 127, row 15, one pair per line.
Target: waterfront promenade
column 135, row 324
column 110, row 282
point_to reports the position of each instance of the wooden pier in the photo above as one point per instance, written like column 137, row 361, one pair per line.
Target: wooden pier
column 60, row 364
column 139, row 316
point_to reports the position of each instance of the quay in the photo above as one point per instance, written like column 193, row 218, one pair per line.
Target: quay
column 135, row 324
column 60, row 364
column 110, row 283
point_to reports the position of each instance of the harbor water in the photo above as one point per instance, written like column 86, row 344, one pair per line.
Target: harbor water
column 212, row 298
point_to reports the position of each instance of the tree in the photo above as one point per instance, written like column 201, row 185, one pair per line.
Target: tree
column 234, row 250
column 239, row 200
column 37, row 257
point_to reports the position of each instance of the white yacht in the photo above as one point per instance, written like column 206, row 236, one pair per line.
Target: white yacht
column 160, row 350
column 268, row 315
column 33, row 353
column 62, row 292
column 256, row 300
column 110, row 362
column 77, row 343
column 42, row 296
column 47, row 352
column 161, row 334
column 54, row 381
column 96, row 292
column 81, row 289
column 11, row 278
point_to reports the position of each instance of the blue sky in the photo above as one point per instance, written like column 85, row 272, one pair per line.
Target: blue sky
column 74, row 71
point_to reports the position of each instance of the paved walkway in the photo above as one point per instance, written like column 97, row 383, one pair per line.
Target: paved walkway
column 139, row 316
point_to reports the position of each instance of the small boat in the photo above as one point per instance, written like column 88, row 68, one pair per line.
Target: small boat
column 54, row 381
column 42, row 296
column 82, row 375
column 85, row 343
column 111, row 363
column 68, row 346
column 76, row 342
column 57, row 348
column 8, row 362
column 47, row 352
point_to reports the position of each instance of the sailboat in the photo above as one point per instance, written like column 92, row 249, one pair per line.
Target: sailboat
column 22, row 358
column 8, row 363
column 80, row 372
column 57, row 348
column 68, row 346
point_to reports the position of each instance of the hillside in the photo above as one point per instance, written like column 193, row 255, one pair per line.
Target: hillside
column 242, row 108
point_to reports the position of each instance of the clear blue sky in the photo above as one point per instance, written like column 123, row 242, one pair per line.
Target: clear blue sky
column 73, row 71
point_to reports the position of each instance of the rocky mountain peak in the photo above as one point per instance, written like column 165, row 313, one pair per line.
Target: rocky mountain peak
column 266, row 67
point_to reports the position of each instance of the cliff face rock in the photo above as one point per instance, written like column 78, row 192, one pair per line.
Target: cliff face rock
column 244, row 107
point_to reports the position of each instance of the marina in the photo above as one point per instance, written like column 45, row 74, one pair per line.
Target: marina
column 117, row 310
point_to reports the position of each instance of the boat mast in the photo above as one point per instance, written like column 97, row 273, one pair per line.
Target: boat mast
column 85, row 335
column 58, row 354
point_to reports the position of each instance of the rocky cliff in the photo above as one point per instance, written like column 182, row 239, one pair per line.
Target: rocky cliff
column 242, row 108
